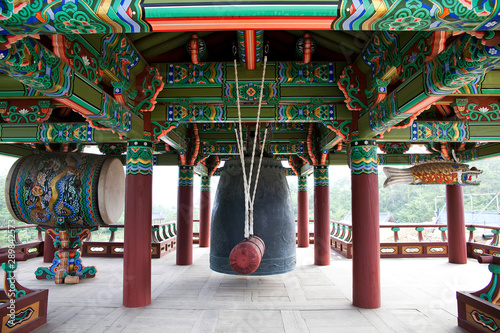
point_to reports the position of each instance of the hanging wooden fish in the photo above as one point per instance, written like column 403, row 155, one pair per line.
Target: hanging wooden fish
column 446, row 172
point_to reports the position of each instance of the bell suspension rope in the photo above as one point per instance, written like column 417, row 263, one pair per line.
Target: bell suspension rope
column 249, row 200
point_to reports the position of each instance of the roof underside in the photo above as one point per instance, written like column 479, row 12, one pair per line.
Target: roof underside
column 325, row 65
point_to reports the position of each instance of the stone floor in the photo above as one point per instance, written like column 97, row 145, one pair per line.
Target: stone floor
column 418, row 295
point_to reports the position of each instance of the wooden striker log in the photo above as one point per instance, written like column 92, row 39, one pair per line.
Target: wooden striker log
column 246, row 256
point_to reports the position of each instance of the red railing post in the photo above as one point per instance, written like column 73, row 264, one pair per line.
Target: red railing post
column 494, row 242
column 112, row 236
column 443, row 233
column 396, row 233
column 471, row 230
column 420, row 235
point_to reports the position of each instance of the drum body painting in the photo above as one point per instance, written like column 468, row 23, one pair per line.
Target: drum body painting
column 86, row 190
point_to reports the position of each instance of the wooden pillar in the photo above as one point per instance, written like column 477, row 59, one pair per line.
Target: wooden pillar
column 138, row 215
column 48, row 249
column 321, row 216
column 365, row 225
column 302, row 213
column 184, row 250
column 205, row 212
column 457, row 245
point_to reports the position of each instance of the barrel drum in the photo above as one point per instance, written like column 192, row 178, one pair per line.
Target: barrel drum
column 86, row 190
column 274, row 220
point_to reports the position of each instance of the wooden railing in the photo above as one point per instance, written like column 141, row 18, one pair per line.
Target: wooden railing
column 341, row 241
column 32, row 248
column 163, row 241
column 474, row 249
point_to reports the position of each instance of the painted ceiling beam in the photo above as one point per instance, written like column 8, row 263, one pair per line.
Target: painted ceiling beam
column 292, row 148
column 218, row 74
column 463, row 61
column 150, row 41
column 12, row 88
column 218, row 148
column 388, row 57
column 417, row 15
column 250, row 47
column 29, row 62
column 332, row 40
column 105, row 16
column 203, row 113
column 112, row 57
column 445, row 131
column 15, row 150
column 55, row 133
column 331, row 140
column 157, row 48
column 174, row 140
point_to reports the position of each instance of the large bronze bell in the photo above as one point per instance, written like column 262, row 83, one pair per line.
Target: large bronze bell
column 274, row 220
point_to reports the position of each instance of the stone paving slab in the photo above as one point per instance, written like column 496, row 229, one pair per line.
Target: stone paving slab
column 418, row 295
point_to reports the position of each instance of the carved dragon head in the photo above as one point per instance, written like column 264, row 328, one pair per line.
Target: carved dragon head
column 464, row 175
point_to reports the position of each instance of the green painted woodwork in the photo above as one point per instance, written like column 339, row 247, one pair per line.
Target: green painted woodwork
column 488, row 150
column 185, row 175
column 439, row 77
column 302, row 186
column 167, row 159
column 490, row 81
column 114, row 16
column 161, row 9
column 335, row 158
column 139, row 157
column 484, row 132
column 218, row 148
column 175, row 140
column 450, row 131
column 330, row 140
column 321, row 177
column 245, row 75
column 15, row 150
column 205, row 184
column 363, row 154
column 417, row 15
column 79, row 17
column 48, row 74
column 396, row 76
column 55, row 133
column 10, row 87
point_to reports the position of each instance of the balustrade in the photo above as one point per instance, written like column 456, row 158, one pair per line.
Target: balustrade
column 163, row 238
column 419, row 245
column 32, row 245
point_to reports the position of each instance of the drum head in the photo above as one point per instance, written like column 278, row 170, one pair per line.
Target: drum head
column 111, row 191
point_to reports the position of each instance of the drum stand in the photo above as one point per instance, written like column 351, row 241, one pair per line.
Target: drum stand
column 67, row 266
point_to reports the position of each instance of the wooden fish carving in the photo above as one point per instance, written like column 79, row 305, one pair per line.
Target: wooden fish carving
column 446, row 172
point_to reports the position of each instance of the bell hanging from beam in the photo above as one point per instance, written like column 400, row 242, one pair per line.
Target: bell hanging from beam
column 274, row 222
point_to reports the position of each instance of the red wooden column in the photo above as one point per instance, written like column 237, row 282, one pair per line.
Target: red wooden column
column 302, row 213
column 365, row 225
column 205, row 212
column 138, row 215
column 321, row 216
column 48, row 249
column 184, row 250
column 457, row 246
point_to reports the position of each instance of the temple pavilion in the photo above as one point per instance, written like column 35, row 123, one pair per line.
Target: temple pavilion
column 345, row 82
